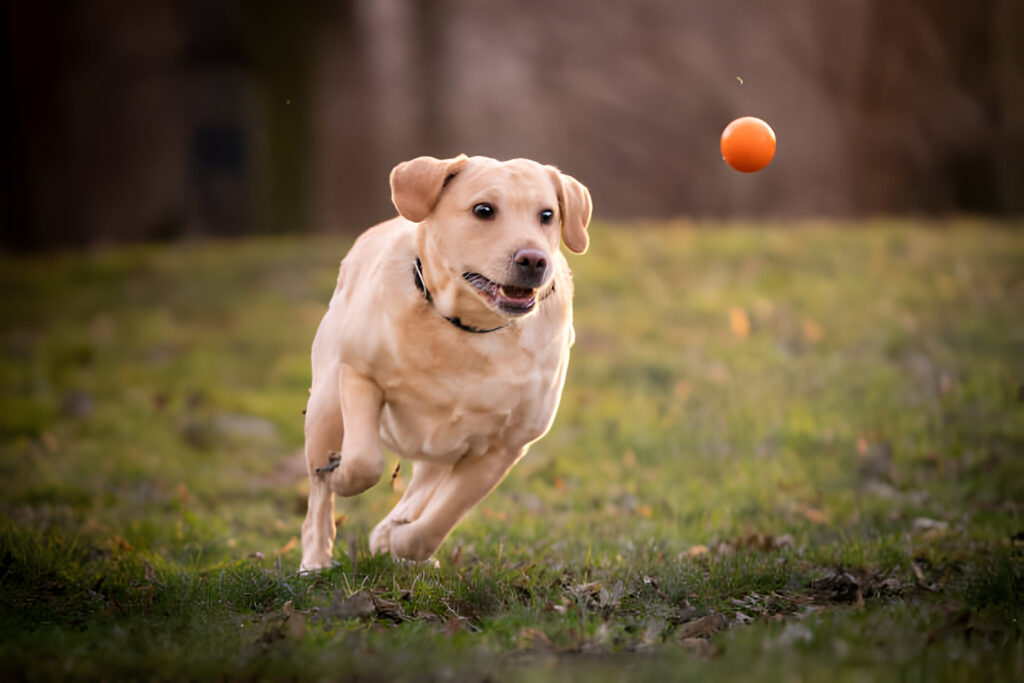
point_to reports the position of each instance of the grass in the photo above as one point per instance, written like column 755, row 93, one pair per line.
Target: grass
column 783, row 452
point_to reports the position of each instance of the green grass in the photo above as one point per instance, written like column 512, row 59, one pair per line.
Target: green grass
column 783, row 452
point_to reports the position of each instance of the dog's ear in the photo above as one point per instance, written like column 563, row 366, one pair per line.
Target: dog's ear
column 576, row 207
column 416, row 184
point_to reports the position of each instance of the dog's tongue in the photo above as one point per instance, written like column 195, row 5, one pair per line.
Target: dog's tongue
column 516, row 293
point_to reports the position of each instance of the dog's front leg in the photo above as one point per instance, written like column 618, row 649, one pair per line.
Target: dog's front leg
column 362, row 461
column 323, row 437
column 470, row 480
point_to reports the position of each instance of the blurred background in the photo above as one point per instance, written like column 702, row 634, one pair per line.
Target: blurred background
column 174, row 118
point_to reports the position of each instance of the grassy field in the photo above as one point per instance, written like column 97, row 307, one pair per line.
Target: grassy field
column 783, row 453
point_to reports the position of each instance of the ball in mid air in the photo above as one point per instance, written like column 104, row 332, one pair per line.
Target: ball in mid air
column 748, row 144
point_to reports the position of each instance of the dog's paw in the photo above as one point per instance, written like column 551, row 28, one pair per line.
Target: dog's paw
column 411, row 542
column 381, row 543
column 380, row 537
column 312, row 566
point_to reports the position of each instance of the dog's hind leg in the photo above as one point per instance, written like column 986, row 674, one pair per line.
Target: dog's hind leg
column 426, row 477
column 469, row 481
column 324, row 433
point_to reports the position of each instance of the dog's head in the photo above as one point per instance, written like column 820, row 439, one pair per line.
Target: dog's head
column 489, row 231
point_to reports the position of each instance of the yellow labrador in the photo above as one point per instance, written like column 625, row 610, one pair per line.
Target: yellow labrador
column 447, row 340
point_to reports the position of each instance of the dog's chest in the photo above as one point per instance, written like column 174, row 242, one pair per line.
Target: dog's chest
column 442, row 411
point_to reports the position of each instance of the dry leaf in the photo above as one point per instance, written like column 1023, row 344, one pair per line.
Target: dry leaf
column 701, row 628
column 118, row 543
column 813, row 515
column 739, row 322
column 813, row 332
column 629, row 459
column 839, row 586
column 534, row 639
column 359, row 605
column 288, row 547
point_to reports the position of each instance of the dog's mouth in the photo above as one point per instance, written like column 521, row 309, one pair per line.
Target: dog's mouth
column 508, row 298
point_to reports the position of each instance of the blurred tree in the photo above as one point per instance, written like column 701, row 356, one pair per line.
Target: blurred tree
column 177, row 117
column 929, row 106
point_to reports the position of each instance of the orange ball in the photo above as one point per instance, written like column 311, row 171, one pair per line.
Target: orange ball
column 748, row 144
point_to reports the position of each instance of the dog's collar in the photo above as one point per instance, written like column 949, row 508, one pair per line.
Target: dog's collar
column 417, row 276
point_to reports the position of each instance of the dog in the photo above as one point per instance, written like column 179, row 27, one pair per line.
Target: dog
column 446, row 340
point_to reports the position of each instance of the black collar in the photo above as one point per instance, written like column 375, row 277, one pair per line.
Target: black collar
column 417, row 276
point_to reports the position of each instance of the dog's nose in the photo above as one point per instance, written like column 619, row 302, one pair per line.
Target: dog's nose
column 531, row 265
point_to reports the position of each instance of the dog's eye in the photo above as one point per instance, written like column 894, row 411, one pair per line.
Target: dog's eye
column 546, row 216
column 483, row 211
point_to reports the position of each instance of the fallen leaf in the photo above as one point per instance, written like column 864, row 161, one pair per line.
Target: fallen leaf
column 839, row 586
column 288, row 547
column 119, row 544
column 743, row 619
column 703, row 627
column 813, row 515
column 629, row 458
column 739, row 322
column 610, row 598
column 534, row 639
column 388, row 609
column 764, row 542
column 359, row 605
column 812, row 331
